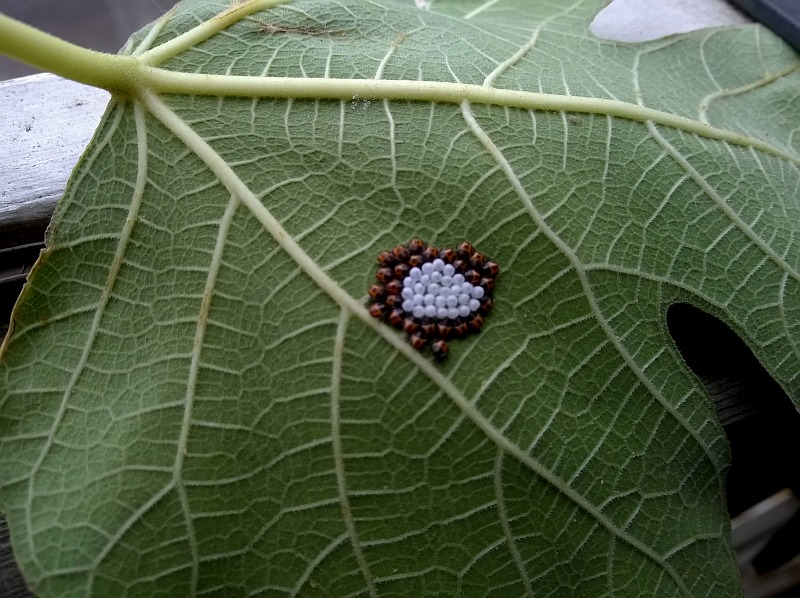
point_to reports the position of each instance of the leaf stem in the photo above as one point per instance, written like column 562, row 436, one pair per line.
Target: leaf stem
column 30, row 45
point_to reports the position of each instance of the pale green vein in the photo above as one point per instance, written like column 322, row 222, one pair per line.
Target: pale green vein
column 389, row 118
column 108, row 288
column 160, row 81
column 387, row 57
column 338, row 455
column 312, row 566
column 692, row 540
column 506, row 525
column 720, row 202
column 94, row 329
column 497, row 155
column 475, row 12
column 514, row 58
column 604, row 184
column 237, row 187
column 706, row 102
column 155, row 30
column 524, row 49
column 191, row 385
column 122, row 530
column 218, row 482
column 207, row 29
column 577, row 266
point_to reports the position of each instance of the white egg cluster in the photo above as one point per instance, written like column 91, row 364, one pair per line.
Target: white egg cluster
column 435, row 290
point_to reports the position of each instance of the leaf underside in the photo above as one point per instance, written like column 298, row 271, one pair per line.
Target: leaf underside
column 193, row 404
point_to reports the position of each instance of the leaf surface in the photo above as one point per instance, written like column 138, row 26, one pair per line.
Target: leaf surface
column 196, row 401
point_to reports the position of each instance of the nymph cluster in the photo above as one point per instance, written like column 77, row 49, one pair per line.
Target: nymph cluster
column 433, row 294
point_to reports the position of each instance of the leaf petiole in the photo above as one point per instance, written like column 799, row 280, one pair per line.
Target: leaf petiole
column 117, row 74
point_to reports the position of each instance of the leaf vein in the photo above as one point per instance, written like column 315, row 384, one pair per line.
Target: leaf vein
column 712, row 194
column 505, row 524
column 338, row 454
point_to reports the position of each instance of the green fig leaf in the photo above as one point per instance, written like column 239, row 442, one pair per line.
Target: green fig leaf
column 196, row 401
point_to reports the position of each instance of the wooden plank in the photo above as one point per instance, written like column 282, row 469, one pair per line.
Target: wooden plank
column 47, row 122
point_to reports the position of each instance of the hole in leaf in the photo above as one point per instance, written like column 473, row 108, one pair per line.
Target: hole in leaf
column 637, row 21
column 759, row 419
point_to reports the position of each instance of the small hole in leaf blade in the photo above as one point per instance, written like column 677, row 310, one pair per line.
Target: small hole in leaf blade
column 759, row 419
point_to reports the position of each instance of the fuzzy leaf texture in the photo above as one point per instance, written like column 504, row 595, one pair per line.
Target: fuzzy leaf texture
column 195, row 400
